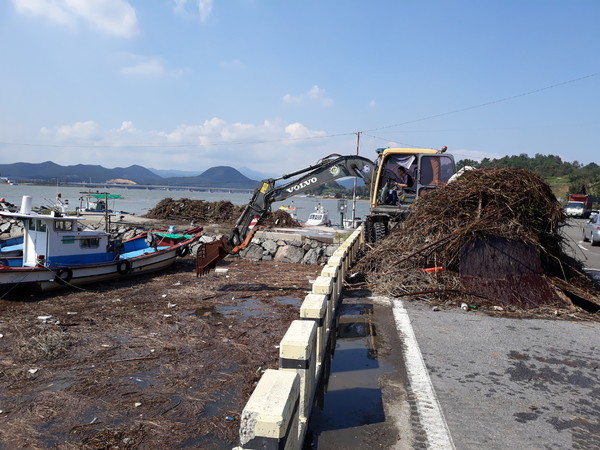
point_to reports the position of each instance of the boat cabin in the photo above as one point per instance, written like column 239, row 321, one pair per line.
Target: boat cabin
column 319, row 217
column 55, row 240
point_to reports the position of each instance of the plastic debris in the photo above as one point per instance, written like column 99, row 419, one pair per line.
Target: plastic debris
column 435, row 308
column 44, row 318
column 226, row 340
column 32, row 371
column 137, row 404
column 229, row 419
column 497, row 308
column 464, row 306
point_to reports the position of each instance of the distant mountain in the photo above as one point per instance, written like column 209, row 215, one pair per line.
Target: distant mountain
column 219, row 176
column 166, row 173
column 80, row 172
column 348, row 183
column 253, row 174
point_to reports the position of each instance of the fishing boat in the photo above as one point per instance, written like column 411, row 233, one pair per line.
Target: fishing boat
column 58, row 252
column 319, row 217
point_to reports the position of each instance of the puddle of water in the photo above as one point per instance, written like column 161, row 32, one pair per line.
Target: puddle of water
column 143, row 379
column 353, row 396
column 289, row 301
column 249, row 307
column 59, row 384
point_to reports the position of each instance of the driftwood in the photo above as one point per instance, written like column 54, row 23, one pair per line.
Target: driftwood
column 487, row 205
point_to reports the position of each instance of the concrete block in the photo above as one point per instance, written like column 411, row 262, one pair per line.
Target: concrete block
column 314, row 307
column 297, row 354
column 270, row 418
column 333, row 273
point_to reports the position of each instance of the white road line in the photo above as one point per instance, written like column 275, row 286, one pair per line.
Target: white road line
column 582, row 247
column 430, row 412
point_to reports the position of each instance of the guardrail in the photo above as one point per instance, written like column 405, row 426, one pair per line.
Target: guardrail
column 277, row 413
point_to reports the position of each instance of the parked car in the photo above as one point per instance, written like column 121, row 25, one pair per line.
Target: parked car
column 591, row 230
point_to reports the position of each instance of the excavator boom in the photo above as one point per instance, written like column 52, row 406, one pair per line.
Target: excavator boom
column 327, row 169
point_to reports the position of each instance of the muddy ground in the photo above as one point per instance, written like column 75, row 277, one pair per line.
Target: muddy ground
column 156, row 361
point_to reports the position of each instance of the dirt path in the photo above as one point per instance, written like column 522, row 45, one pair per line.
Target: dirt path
column 159, row 361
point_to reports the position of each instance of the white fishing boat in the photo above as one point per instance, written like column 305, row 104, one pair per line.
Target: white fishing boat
column 58, row 252
column 319, row 217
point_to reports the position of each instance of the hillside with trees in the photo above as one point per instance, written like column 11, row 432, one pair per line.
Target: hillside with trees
column 564, row 177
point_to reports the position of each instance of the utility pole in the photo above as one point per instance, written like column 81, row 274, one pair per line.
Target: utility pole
column 354, row 190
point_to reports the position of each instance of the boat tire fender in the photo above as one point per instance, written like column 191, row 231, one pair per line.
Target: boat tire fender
column 124, row 267
column 63, row 276
column 182, row 251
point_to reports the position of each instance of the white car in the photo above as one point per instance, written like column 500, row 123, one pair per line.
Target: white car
column 591, row 230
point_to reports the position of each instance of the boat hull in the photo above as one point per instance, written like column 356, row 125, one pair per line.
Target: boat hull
column 41, row 279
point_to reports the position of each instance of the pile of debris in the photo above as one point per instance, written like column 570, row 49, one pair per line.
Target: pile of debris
column 221, row 212
column 493, row 236
column 198, row 211
column 280, row 219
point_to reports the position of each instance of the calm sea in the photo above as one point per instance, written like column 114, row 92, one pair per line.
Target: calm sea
column 140, row 201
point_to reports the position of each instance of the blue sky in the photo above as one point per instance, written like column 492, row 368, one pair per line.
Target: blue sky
column 276, row 85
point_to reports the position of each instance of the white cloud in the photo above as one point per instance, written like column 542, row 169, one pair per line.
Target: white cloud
column 313, row 95
column 146, row 67
column 75, row 132
column 115, row 17
column 127, row 127
column 205, row 7
column 372, row 104
column 299, row 131
column 271, row 146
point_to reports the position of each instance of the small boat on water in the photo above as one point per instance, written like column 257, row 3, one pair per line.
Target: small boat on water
column 57, row 252
column 319, row 217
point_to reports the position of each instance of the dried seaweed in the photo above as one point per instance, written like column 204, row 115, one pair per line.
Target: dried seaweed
column 220, row 212
column 500, row 203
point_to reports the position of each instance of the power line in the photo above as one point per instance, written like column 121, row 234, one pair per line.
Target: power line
column 481, row 105
column 210, row 144
column 327, row 136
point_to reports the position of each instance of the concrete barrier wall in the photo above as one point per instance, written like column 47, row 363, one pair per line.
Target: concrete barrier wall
column 277, row 413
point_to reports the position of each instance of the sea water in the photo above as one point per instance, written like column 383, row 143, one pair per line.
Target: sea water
column 140, row 201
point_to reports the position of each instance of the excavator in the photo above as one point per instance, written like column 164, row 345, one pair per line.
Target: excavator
column 428, row 169
column 325, row 170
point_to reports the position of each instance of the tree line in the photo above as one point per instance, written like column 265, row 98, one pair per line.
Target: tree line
column 580, row 178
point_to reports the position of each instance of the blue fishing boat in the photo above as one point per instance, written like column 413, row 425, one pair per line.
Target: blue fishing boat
column 58, row 252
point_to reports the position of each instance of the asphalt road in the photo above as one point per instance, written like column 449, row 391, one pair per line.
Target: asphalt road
column 503, row 383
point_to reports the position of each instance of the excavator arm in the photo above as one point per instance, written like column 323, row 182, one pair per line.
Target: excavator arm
column 327, row 169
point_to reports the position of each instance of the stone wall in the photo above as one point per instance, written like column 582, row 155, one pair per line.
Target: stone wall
column 305, row 251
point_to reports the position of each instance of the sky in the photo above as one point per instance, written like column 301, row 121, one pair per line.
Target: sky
column 274, row 86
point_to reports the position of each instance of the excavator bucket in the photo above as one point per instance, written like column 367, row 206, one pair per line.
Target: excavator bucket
column 209, row 254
